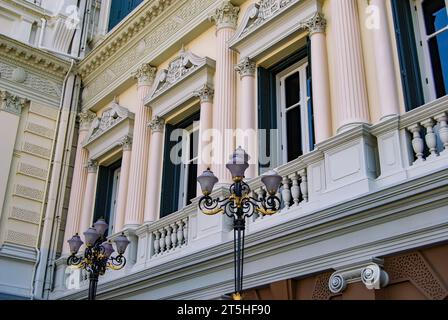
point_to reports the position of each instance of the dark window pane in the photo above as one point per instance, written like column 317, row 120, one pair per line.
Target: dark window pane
column 293, row 124
column 292, row 89
column 192, row 182
column 435, row 15
column 438, row 47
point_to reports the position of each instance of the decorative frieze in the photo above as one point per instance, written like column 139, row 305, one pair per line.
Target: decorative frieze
column 226, row 15
column 110, row 118
column 205, row 93
column 36, row 150
column 33, row 171
column 126, row 143
column 370, row 274
column 25, row 215
column 40, row 130
column 145, row 75
column 246, row 67
column 21, row 238
column 29, row 193
column 157, row 124
column 11, row 103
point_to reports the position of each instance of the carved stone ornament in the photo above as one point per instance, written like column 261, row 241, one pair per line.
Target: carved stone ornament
column 265, row 10
column 92, row 166
column 145, row 75
column 370, row 274
column 157, row 124
column 205, row 94
column 111, row 117
column 178, row 69
column 226, row 15
column 11, row 103
column 126, row 143
column 85, row 119
column 246, row 67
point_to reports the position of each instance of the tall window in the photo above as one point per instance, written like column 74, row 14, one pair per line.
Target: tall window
column 293, row 107
column 119, row 9
column 422, row 39
column 285, row 110
column 107, row 194
column 180, row 169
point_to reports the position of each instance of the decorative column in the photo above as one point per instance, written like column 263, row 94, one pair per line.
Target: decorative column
column 135, row 206
column 225, row 17
column 386, row 81
column 205, row 95
column 319, row 73
column 77, row 192
column 153, row 184
column 126, row 144
column 247, row 114
column 89, row 196
column 350, row 81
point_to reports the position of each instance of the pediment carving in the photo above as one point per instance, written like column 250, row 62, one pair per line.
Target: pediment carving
column 110, row 118
column 185, row 64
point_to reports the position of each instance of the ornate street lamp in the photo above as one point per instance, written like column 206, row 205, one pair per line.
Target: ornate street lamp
column 98, row 254
column 239, row 205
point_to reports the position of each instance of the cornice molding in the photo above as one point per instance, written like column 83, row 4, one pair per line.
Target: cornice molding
column 22, row 54
column 126, row 32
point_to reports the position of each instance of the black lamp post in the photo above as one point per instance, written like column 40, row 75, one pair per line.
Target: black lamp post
column 97, row 255
column 239, row 205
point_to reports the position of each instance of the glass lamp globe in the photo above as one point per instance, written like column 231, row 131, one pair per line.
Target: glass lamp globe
column 238, row 164
column 207, row 180
column 108, row 249
column 272, row 181
column 75, row 243
column 122, row 243
column 101, row 226
column 91, row 235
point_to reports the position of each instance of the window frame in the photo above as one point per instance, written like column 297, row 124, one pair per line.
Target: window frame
column 301, row 67
column 423, row 51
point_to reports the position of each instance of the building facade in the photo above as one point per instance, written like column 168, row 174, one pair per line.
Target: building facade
column 346, row 100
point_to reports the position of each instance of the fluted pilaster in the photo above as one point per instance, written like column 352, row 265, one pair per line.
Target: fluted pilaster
column 225, row 93
column 153, row 183
column 126, row 144
column 78, row 187
column 350, row 81
column 138, row 171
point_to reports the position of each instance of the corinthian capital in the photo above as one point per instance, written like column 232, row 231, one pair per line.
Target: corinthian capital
column 85, row 119
column 11, row 103
column 316, row 24
column 145, row 75
column 205, row 94
column 226, row 15
column 246, row 67
column 126, row 143
column 157, row 124
column 92, row 166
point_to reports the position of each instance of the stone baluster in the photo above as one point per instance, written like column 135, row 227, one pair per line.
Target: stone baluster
column 180, row 233
column 286, row 192
column 417, row 142
column 430, row 137
column 443, row 131
column 185, row 230
column 173, row 226
column 304, row 185
column 162, row 240
column 156, row 235
column 295, row 189
column 168, row 238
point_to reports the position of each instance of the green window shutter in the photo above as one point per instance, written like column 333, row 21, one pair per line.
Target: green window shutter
column 171, row 177
column 119, row 9
column 407, row 53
